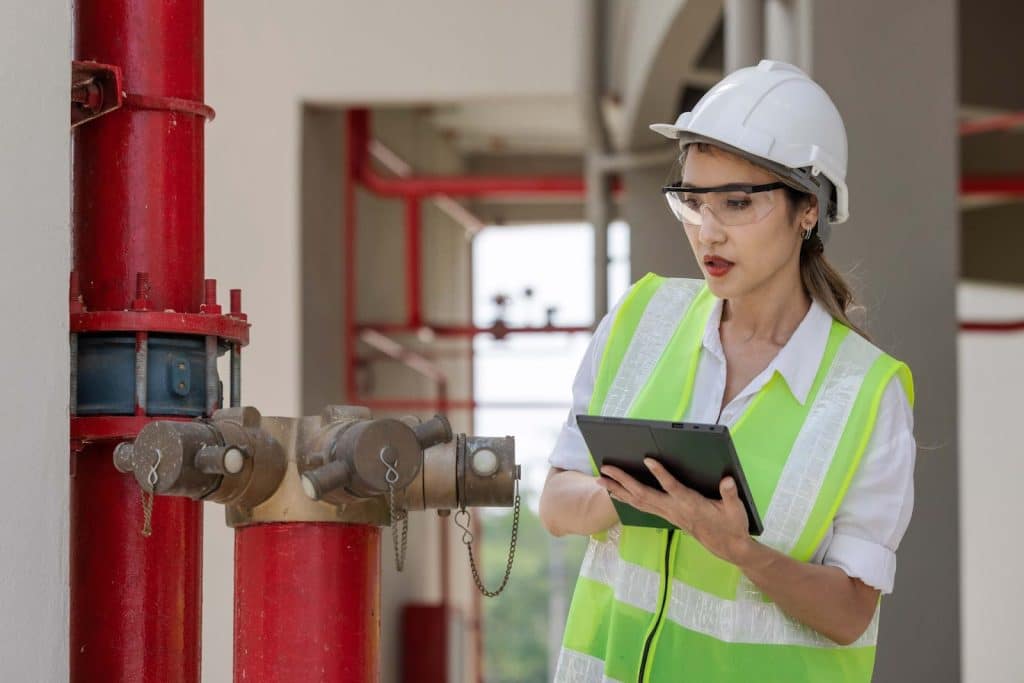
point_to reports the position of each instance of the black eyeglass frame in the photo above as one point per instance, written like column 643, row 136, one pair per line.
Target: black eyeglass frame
column 731, row 187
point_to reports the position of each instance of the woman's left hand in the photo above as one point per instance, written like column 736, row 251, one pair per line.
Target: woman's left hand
column 718, row 525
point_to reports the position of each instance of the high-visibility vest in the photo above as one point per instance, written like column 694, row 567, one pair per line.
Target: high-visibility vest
column 653, row 604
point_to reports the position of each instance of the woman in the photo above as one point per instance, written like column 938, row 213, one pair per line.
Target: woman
column 820, row 417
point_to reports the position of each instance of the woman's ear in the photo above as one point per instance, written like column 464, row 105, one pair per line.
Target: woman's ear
column 809, row 216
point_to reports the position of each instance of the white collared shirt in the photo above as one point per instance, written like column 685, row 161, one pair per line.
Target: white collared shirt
column 873, row 516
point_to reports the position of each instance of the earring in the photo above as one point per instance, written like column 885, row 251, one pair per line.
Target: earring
column 805, row 234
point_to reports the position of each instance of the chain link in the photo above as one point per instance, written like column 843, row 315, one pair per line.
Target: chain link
column 399, row 516
column 147, row 497
column 147, row 514
column 467, row 539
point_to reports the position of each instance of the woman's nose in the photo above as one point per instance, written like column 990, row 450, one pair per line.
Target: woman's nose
column 711, row 231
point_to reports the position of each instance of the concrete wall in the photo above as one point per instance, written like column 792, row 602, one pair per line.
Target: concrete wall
column 34, row 262
column 898, row 97
column 265, row 63
column 991, row 469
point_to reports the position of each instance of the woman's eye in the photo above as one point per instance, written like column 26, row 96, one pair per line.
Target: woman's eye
column 737, row 203
column 691, row 203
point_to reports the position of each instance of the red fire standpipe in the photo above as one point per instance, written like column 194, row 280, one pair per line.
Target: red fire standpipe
column 305, row 594
column 138, row 209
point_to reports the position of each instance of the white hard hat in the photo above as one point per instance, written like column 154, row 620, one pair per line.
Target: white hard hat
column 775, row 113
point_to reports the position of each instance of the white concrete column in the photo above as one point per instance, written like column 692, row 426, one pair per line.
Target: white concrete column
column 781, row 31
column 744, row 33
column 897, row 91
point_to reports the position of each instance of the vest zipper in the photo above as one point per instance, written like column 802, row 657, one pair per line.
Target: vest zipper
column 661, row 607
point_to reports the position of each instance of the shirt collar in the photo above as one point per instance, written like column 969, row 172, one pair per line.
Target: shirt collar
column 798, row 360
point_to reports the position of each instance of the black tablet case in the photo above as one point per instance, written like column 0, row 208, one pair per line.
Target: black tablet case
column 698, row 455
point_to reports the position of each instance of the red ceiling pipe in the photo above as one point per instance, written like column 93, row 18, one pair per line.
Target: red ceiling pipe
column 473, row 186
column 138, row 208
column 990, row 124
column 307, row 603
column 1002, row 326
column 413, row 261
column 1007, row 186
column 355, row 141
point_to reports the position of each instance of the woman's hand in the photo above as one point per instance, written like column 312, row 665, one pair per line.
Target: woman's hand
column 718, row 525
column 822, row 597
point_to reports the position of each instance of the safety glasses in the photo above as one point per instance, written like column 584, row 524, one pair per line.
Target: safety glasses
column 733, row 204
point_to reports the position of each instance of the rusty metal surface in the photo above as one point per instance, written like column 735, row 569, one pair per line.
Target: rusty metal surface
column 280, row 455
column 489, row 490
column 95, row 90
column 265, row 460
column 436, row 487
column 298, row 439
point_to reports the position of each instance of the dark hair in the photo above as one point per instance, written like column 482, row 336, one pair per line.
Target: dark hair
column 821, row 280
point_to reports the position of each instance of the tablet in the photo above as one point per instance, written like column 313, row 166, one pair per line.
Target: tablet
column 698, row 455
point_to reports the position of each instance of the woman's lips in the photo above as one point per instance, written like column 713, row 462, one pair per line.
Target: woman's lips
column 716, row 266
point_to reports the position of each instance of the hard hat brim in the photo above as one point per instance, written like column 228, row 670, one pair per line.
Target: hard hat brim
column 666, row 129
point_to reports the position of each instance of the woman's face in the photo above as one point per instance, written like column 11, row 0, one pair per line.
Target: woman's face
column 738, row 260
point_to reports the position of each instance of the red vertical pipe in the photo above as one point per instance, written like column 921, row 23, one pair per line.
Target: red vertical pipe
column 307, row 603
column 355, row 140
column 138, row 208
column 134, row 600
column 138, row 195
column 413, row 260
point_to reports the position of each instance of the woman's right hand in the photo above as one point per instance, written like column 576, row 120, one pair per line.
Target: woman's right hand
column 573, row 503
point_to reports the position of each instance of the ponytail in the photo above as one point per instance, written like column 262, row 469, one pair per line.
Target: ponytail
column 825, row 285
column 820, row 279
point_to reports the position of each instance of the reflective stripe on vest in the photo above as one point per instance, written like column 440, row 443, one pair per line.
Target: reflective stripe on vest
column 662, row 321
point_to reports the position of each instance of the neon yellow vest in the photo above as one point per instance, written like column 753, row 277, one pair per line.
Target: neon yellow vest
column 655, row 606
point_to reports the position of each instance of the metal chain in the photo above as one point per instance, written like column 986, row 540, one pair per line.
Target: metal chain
column 147, row 497
column 399, row 516
column 467, row 539
column 147, row 514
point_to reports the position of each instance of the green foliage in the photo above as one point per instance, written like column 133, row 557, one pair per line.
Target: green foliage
column 516, row 624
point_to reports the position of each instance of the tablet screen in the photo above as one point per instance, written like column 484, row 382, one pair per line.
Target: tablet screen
column 698, row 455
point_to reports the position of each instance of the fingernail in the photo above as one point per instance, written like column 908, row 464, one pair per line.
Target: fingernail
column 729, row 483
column 648, row 461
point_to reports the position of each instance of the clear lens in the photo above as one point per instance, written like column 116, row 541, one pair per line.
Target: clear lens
column 729, row 208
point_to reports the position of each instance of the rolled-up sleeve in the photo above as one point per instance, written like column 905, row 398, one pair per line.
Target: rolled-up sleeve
column 874, row 515
column 570, row 451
